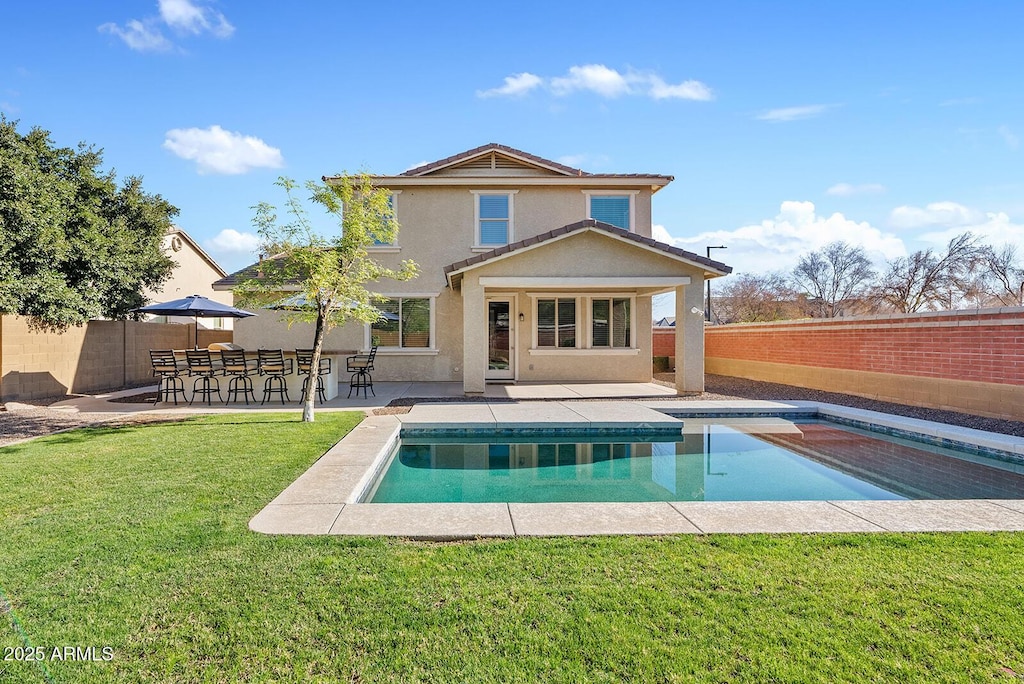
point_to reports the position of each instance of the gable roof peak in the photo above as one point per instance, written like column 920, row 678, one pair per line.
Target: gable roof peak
column 498, row 148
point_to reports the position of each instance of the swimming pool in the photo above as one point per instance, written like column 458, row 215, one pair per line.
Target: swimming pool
column 741, row 459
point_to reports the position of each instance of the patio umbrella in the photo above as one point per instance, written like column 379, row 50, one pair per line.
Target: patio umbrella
column 297, row 302
column 196, row 306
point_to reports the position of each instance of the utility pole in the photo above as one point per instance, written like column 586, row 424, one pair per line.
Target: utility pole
column 707, row 304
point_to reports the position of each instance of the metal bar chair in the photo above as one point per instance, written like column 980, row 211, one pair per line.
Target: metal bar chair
column 165, row 367
column 200, row 366
column 359, row 367
column 304, row 360
column 240, row 370
column 272, row 364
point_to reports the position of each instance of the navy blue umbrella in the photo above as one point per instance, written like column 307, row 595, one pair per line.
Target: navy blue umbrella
column 196, row 306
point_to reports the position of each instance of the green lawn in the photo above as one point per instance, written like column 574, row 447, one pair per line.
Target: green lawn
column 135, row 538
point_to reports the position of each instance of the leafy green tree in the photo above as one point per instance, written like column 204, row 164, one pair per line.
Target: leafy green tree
column 73, row 245
column 329, row 274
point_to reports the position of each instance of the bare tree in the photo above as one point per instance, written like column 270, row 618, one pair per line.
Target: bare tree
column 835, row 276
column 751, row 298
column 1004, row 275
column 926, row 280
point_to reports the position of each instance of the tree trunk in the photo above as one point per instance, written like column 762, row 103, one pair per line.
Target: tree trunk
column 314, row 367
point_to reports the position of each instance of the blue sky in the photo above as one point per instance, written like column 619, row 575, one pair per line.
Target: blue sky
column 786, row 125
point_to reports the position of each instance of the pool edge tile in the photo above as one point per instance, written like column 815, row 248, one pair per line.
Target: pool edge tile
column 771, row 517
column 598, row 518
column 435, row 522
column 302, row 519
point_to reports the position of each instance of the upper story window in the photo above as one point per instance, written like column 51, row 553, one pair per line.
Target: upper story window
column 393, row 204
column 609, row 206
column 494, row 218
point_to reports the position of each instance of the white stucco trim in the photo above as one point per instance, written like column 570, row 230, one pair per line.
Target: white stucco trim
column 623, row 184
column 584, row 281
column 573, row 351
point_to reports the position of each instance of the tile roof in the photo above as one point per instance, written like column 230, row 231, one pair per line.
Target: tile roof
column 586, row 224
column 495, row 147
column 251, row 271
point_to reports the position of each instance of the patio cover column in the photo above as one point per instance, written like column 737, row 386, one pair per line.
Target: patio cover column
column 690, row 336
column 474, row 336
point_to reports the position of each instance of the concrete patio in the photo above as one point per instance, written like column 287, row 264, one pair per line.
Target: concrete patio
column 385, row 393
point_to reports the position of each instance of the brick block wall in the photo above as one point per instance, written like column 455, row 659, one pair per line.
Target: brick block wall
column 965, row 360
column 663, row 342
column 99, row 356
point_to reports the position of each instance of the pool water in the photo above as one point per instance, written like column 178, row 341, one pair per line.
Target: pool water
column 755, row 459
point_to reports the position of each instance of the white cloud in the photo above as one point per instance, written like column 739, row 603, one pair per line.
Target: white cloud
column 593, row 77
column 687, row 90
column 848, row 190
column 994, row 228
column 189, row 17
column 224, row 152
column 604, row 81
column 1012, row 141
column 776, row 244
column 183, row 16
column 794, row 113
column 516, row 85
column 231, row 242
column 138, row 36
column 942, row 214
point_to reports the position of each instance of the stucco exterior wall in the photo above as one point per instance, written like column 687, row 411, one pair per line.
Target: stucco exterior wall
column 437, row 229
column 193, row 274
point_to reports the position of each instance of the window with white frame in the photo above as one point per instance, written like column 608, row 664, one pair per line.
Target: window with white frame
column 407, row 323
column 610, row 322
column 493, row 218
column 393, row 206
column 609, row 206
column 556, row 322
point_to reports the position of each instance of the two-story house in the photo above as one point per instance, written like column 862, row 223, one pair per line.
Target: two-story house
column 531, row 271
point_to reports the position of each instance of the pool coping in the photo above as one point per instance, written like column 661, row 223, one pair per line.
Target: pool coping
column 326, row 498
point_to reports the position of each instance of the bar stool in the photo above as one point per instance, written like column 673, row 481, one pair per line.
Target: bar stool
column 200, row 364
column 304, row 360
column 165, row 366
column 239, row 369
column 360, row 366
column 272, row 364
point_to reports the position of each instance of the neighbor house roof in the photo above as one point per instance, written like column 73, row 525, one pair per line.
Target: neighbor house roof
column 177, row 231
column 713, row 268
column 228, row 282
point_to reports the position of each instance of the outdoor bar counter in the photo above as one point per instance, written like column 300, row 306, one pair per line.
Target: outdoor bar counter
column 293, row 382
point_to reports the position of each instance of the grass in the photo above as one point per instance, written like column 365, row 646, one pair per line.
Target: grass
column 136, row 538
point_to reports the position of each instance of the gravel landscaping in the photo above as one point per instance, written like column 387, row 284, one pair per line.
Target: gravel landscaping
column 21, row 421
